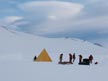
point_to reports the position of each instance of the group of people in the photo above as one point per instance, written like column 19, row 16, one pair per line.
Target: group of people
column 72, row 58
column 81, row 58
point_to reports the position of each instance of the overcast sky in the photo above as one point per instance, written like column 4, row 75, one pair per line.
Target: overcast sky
column 84, row 19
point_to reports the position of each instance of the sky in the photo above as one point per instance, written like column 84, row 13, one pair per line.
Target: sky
column 84, row 19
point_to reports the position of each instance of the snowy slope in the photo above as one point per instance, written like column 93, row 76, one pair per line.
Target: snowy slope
column 21, row 45
column 17, row 50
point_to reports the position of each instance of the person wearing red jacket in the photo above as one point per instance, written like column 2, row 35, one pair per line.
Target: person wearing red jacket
column 90, row 59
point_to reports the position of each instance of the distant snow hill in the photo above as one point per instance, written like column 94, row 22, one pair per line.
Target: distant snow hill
column 16, row 45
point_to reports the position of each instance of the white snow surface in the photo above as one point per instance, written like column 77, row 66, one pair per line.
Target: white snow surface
column 17, row 50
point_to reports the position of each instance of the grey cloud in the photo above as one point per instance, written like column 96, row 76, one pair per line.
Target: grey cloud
column 90, row 23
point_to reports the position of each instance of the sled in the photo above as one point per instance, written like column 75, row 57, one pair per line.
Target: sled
column 65, row 62
column 85, row 62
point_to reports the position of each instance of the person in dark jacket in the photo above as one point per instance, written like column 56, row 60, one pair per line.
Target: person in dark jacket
column 60, row 58
column 91, row 58
column 80, row 58
column 74, row 57
column 70, row 57
column 35, row 58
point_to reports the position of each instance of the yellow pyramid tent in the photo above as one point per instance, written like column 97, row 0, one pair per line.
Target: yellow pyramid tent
column 44, row 57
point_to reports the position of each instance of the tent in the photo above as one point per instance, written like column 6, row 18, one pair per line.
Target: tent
column 44, row 57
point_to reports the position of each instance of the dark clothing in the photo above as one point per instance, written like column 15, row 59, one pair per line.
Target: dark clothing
column 61, row 57
column 70, row 58
column 80, row 58
column 35, row 58
column 74, row 57
column 96, row 62
column 90, row 58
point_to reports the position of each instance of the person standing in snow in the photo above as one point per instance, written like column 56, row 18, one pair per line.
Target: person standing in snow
column 80, row 58
column 70, row 57
column 74, row 57
column 61, row 57
column 35, row 58
column 90, row 59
